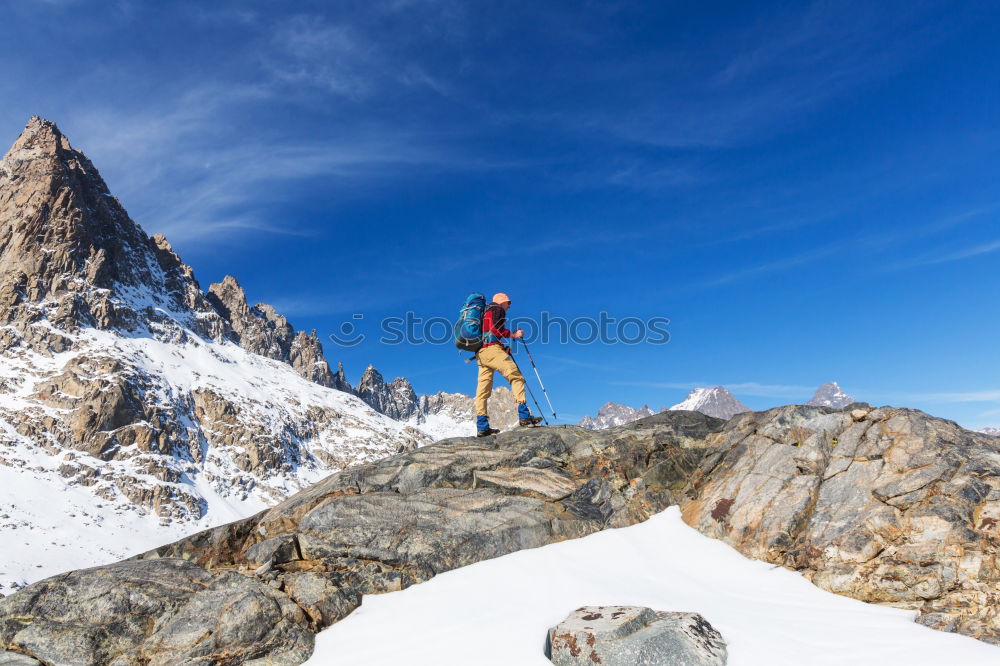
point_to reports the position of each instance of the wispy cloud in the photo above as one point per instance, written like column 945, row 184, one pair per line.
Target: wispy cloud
column 740, row 388
column 756, row 389
column 350, row 56
column 332, row 303
column 183, row 171
column 763, row 268
column 198, row 156
column 804, row 392
column 933, row 227
column 870, row 243
column 955, row 255
column 647, row 175
column 310, row 50
column 776, row 69
column 987, row 395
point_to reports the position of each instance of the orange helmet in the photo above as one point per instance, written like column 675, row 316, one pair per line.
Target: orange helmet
column 501, row 298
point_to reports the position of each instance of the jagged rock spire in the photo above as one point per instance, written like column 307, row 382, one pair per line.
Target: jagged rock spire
column 306, row 356
column 340, row 380
column 397, row 400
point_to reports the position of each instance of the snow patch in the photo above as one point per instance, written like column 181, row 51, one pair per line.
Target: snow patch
column 497, row 612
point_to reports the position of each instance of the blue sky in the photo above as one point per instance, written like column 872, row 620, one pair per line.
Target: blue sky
column 809, row 191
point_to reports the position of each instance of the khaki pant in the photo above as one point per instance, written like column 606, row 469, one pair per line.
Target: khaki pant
column 490, row 359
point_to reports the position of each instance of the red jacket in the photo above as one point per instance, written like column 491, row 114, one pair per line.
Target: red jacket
column 495, row 326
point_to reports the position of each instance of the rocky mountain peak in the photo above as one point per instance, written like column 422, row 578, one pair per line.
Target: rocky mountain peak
column 612, row 414
column 306, row 356
column 59, row 221
column 41, row 135
column 71, row 257
column 371, row 378
column 830, row 395
column 69, row 252
column 253, row 330
column 717, row 402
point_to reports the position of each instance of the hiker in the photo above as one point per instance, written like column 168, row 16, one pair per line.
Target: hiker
column 494, row 356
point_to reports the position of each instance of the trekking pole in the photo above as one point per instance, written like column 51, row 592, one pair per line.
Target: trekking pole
column 535, row 368
column 528, row 386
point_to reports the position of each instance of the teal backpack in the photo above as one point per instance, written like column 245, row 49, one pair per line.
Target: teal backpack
column 469, row 327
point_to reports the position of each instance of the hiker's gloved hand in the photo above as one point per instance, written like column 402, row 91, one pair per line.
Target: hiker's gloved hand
column 518, row 334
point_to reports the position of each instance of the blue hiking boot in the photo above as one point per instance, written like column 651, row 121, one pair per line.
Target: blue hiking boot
column 524, row 417
column 483, row 428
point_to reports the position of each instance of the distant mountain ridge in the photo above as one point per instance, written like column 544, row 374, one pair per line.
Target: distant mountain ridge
column 718, row 402
column 611, row 415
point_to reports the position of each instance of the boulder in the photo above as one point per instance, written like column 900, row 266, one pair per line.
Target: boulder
column 235, row 619
column 634, row 636
column 90, row 617
column 886, row 505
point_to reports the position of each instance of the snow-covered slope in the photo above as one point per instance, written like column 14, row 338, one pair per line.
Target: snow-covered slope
column 49, row 524
column 497, row 612
column 830, row 395
column 442, row 425
column 991, row 431
column 717, row 402
column 253, row 432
